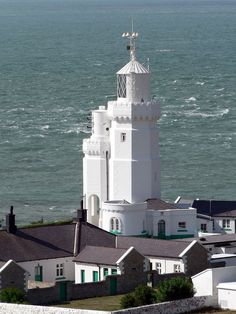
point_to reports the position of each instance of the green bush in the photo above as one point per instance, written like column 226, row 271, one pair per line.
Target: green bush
column 142, row 295
column 175, row 289
column 127, row 300
column 12, row 295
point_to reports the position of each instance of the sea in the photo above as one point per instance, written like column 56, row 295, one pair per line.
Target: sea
column 58, row 61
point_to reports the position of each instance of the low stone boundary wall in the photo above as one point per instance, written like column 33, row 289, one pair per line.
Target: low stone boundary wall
column 173, row 307
column 7, row 308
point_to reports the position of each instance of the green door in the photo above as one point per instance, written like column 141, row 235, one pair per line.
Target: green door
column 95, row 276
column 63, row 291
column 38, row 273
column 113, row 285
column 82, row 275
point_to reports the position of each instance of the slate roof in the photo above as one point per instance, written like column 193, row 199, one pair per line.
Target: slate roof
column 93, row 236
column 153, row 247
column 99, row 255
column 47, row 242
column 37, row 243
column 215, row 208
column 217, row 239
column 158, row 204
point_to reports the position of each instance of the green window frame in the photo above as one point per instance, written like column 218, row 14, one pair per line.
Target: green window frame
column 114, row 271
column 105, row 272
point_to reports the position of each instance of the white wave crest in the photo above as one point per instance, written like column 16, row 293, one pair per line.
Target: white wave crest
column 188, row 100
column 200, row 83
column 218, row 113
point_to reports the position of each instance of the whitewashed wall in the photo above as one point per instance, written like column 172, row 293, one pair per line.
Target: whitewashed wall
column 49, row 268
column 167, row 265
column 172, row 217
column 205, row 282
column 209, row 224
column 227, row 296
column 89, row 271
column 218, row 222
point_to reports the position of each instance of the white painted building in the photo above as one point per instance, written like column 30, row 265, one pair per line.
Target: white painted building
column 50, row 270
column 206, row 282
column 121, row 165
column 96, row 263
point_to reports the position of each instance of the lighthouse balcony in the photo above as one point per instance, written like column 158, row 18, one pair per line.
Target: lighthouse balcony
column 95, row 147
column 128, row 111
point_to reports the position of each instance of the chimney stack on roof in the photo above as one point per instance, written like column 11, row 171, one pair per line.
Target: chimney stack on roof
column 82, row 213
column 10, row 222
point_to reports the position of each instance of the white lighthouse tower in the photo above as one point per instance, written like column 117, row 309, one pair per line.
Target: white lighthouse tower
column 122, row 162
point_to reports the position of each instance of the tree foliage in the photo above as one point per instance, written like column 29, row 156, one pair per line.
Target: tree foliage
column 175, row 289
column 142, row 295
column 12, row 295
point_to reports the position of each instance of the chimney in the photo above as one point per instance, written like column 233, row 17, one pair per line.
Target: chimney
column 10, row 222
column 81, row 213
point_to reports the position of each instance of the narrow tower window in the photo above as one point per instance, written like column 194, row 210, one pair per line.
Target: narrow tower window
column 123, row 137
column 121, row 85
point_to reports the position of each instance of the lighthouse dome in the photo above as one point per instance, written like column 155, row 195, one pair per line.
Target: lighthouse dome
column 133, row 67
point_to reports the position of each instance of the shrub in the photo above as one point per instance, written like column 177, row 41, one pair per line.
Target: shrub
column 12, row 295
column 127, row 300
column 142, row 295
column 175, row 289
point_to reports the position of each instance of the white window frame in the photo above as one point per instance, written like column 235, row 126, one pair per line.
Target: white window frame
column 226, row 223
column 176, row 268
column 60, row 270
column 158, row 268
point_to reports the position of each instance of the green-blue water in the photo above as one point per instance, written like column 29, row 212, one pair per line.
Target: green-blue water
column 58, row 60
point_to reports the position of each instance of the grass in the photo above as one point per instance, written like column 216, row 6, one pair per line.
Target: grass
column 110, row 303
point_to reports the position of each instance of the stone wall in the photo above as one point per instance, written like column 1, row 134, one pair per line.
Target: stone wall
column 13, row 276
column 155, row 278
column 196, row 260
column 125, row 283
column 174, row 307
column 30, row 309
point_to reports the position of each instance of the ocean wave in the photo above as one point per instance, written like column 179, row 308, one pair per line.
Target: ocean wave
column 77, row 130
column 195, row 113
column 35, row 135
column 191, row 99
column 200, row 83
column 44, row 127
column 164, row 50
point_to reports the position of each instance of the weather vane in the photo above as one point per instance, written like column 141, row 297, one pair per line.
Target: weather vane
column 131, row 36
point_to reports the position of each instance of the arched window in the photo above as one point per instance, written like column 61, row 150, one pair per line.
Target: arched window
column 115, row 225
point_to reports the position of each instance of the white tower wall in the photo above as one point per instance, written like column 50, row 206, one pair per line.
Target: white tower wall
column 95, row 165
column 121, row 162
